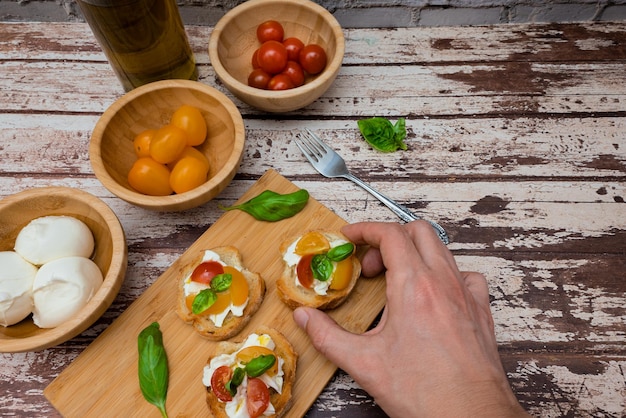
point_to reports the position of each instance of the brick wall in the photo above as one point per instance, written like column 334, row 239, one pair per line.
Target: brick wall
column 368, row 13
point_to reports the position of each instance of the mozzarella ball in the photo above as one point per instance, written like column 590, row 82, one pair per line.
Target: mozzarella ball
column 50, row 237
column 62, row 287
column 16, row 281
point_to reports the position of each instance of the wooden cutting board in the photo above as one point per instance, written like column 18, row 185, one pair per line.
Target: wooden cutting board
column 103, row 381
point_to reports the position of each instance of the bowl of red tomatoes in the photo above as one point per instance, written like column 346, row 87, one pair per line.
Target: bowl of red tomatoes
column 277, row 55
column 169, row 145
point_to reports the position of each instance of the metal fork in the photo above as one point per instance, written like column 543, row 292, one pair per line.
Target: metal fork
column 330, row 164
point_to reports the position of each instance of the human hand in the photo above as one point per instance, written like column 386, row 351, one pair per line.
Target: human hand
column 434, row 351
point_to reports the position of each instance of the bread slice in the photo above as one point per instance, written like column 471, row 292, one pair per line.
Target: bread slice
column 284, row 350
column 232, row 324
column 294, row 295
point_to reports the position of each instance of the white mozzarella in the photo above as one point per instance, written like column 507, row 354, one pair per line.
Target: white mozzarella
column 62, row 287
column 16, row 282
column 50, row 237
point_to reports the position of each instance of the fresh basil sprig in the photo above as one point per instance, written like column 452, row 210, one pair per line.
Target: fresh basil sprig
column 153, row 367
column 271, row 206
column 207, row 297
column 321, row 264
column 232, row 385
column 221, row 282
column 341, row 252
column 254, row 368
column 382, row 135
column 259, row 365
column 322, row 267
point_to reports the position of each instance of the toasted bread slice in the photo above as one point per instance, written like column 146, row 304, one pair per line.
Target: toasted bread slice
column 232, row 324
column 284, row 350
column 295, row 295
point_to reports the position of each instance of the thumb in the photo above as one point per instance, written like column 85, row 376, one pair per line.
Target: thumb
column 334, row 342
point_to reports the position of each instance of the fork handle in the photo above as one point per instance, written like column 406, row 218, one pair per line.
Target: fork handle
column 403, row 212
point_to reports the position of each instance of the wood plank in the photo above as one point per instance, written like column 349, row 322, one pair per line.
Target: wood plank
column 433, row 91
column 442, row 149
column 535, row 42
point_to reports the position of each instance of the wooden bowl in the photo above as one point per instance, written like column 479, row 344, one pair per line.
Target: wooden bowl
column 110, row 255
column 150, row 107
column 233, row 41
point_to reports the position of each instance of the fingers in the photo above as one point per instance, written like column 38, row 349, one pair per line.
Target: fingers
column 428, row 243
column 391, row 240
column 335, row 343
column 477, row 286
column 372, row 263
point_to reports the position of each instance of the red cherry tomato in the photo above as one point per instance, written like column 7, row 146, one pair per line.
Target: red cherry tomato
column 257, row 397
column 270, row 31
column 272, row 57
column 280, row 82
column 205, row 271
column 259, row 79
column 313, row 58
column 294, row 71
column 255, row 59
column 220, row 377
column 304, row 272
column 294, row 46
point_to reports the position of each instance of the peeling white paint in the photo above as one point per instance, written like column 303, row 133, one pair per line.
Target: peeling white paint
column 593, row 44
column 536, row 240
column 591, row 304
column 605, row 391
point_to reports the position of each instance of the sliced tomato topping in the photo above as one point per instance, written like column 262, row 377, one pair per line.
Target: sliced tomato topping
column 304, row 272
column 312, row 243
column 342, row 274
column 257, row 398
column 239, row 288
column 205, row 271
column 250, row 353
column 220, row 305
column 220, row 377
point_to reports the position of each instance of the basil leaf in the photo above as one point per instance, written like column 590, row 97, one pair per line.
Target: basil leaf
column 382, row 135
column 322, row 267
column 203, row 301
column 235, row 381
column 259, row 365
column 271, row 206
column 153, row 367
column 400, row 130
column 340, row 252
column 221, row 282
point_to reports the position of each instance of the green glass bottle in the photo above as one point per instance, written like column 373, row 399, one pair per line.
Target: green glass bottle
column 144, row 40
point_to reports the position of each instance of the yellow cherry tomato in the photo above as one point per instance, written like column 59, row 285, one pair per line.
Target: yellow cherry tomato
column 312, row 243
column 187, row 174
column 239, row 289
column 190, row 119
column 141, row 143
column 149, row 177
column 342, row 274
column 168, row 143
column 220, row 305
column 194, row 153
column 246, row 355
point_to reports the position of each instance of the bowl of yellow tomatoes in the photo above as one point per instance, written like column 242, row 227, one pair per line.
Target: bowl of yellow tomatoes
column 170, row 145
column 277, row 55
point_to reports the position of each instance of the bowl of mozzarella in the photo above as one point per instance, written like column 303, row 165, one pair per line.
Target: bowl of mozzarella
column 64, row 256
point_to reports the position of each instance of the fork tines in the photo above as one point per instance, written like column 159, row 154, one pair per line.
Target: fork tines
column 310, row 145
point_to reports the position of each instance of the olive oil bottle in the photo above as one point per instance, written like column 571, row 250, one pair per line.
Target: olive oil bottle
column 144, row 40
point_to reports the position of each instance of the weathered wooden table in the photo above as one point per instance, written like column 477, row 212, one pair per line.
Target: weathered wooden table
column 517, row 145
